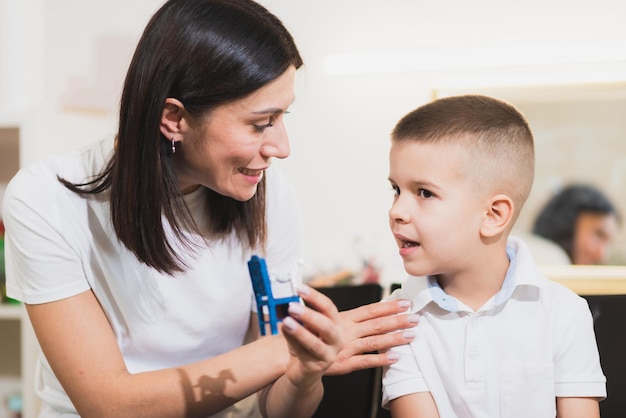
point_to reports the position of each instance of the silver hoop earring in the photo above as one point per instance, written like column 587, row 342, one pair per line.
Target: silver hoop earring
column 173, row 146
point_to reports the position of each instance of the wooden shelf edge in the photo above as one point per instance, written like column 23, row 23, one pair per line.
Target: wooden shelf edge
column 8, row 311
column 589, row 280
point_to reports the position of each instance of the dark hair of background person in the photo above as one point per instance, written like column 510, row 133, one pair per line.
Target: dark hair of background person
column 557, row 220
column 205, row 53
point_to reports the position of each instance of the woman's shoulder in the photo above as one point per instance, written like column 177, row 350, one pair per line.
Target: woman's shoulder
column 74, row 165
column 39, row 181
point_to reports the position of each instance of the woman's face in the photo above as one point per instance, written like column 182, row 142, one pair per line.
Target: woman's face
column 229, row 150
column 593, row 238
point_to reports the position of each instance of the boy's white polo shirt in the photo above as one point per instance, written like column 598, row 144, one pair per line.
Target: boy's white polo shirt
column 530, row 343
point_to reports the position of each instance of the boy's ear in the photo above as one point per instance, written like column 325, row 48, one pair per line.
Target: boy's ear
column 171, row 119
column 498, row 217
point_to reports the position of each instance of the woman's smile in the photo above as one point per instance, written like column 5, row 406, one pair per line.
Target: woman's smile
column 253, row 177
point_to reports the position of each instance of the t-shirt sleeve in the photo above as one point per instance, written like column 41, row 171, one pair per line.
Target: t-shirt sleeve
column 402, row 377
column 577, row 362
column 41, row 263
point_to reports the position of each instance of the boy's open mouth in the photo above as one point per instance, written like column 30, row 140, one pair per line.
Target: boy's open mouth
column 409, row 244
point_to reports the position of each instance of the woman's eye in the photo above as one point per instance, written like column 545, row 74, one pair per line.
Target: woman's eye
column 424, row 193
column 261, row 128
column 396, row 190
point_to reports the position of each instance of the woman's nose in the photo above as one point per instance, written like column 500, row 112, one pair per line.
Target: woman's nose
column 277, row 143
column 602, row 252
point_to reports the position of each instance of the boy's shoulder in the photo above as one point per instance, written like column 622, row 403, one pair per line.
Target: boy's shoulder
column 556, row 293
column 528, row 271
column 414, row 289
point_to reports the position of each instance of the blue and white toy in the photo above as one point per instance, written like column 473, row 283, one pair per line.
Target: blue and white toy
column 270, row 310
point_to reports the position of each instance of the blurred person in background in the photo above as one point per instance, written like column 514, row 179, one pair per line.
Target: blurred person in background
column 581, row 220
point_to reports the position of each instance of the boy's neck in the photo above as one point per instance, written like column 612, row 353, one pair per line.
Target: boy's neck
column 475, row 287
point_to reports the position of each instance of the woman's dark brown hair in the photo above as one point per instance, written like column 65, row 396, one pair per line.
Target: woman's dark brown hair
column 204, row 53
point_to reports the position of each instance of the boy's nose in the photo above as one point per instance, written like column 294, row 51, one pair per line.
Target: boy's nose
column 398, row 213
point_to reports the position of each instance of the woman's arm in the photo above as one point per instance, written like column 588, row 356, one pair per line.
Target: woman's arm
column 81, row 348
column 314, row 339
column 577, row 408
column 87, row 361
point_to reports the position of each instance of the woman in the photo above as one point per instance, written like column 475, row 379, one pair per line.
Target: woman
column 130, row 256
column 582, row 221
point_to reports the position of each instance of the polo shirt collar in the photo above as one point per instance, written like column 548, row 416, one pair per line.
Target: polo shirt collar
column 522, row 272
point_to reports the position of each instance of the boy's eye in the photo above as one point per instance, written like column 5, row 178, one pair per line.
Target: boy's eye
column 424, row 193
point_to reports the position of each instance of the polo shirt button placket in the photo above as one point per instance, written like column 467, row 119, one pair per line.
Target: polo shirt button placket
column 473, row 362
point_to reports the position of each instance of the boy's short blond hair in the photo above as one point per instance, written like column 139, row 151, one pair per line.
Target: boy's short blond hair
column 495, row 133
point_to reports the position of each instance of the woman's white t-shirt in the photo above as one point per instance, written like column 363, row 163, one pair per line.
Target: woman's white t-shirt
column 59, row 244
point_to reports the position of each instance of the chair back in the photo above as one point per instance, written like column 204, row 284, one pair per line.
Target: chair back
column 609, row 321
column 354, row 395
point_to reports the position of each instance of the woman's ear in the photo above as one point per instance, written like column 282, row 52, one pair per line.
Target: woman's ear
column 171, row 119
column 498, row 217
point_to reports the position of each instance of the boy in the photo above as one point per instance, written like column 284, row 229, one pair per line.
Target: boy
column 495, row 339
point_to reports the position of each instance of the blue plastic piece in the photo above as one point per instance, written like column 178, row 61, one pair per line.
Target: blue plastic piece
column 276, row 308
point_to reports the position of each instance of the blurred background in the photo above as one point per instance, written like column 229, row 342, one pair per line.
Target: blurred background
column 367, row 63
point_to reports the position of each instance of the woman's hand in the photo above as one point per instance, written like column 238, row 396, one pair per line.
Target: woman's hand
column 314, row 336
column 369, row 331
column 323, row 341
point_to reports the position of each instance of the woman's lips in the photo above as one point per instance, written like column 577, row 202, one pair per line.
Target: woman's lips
column 252, row 176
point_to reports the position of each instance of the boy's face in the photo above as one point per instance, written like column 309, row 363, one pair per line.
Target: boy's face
column 437, row 210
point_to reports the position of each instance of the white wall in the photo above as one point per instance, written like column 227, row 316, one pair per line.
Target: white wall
column 339, row 125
